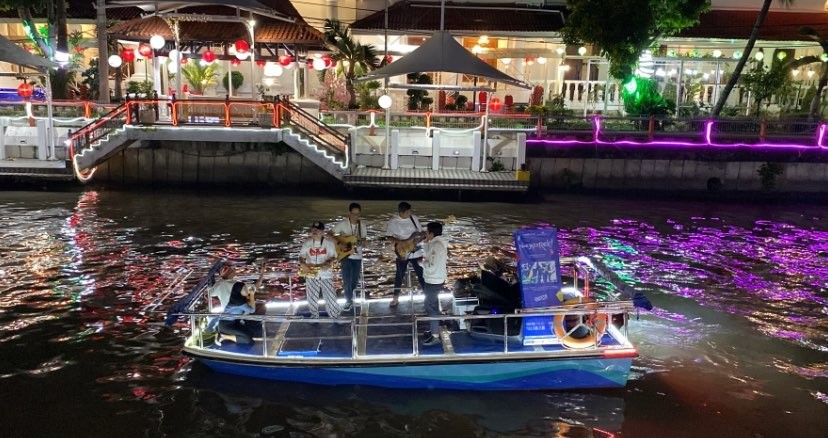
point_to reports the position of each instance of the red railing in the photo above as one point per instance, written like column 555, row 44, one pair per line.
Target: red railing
column 98, row 129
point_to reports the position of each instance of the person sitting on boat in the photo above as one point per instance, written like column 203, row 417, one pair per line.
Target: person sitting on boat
column 402, row 229
column 434, row 272
column 316, row 259
column 222, row 288
column 242, row 301
column 352, row 264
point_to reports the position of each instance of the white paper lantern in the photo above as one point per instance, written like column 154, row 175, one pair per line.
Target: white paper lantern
column 172, row 68
column 174, row 55
column 157, row 42
column 582, row 50
column 319, row 64
column 272, row 69
column 115, row 61
column 385, row 101
column 541, row 60
column 506, row 61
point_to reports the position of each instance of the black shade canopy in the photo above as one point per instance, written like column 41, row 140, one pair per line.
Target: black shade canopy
column 442, row 53
column 12, row 53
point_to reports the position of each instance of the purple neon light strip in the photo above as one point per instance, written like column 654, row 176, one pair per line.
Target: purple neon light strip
column 708, row 136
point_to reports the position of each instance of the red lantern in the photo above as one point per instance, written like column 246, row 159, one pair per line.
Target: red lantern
column 25, row 90
column 285, row 60
column 529, row 61
column 184, row 60
column 261, row 62
column 241, row 46
column 235, row 62
column 495, row 104
column 128, row 55
column 208, row 56
column 482, row 97
column 328, row 61
column 145, row 50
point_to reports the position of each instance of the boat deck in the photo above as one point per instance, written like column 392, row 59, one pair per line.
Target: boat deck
column 375, row 331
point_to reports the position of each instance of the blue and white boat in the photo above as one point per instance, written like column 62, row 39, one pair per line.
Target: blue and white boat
column 573, row 340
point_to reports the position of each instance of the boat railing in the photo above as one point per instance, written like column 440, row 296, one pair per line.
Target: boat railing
column 592, row 309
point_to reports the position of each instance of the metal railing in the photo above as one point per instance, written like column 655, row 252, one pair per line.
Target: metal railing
column 291, row 115
column 86, row 136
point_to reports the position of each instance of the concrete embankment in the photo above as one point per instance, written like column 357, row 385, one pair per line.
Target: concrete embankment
column 274, row 164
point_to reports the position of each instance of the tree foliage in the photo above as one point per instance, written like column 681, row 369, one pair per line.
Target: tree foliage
column 765, row 82
column 352, row 58
column 622, row 29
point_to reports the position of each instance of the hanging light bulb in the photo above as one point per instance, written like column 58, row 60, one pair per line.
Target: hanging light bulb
column 541, row 60
column 115, row 61
column 506, row 61
column 157, row 42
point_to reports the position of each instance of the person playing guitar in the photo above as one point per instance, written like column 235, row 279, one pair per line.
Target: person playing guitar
column 316, row 258
column 405, row 231
column 349, row 234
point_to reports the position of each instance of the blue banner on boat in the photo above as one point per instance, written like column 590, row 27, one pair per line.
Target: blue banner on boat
column 539, row 266
column 539, row 269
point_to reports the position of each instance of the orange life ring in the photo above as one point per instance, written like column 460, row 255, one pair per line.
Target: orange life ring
column 572, row 335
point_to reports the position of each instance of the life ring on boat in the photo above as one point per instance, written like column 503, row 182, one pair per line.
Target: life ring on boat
column 582, row 330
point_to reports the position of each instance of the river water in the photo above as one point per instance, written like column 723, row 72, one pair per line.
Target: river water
column 736, row 346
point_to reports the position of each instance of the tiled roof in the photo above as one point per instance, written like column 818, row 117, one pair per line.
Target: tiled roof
column 778, row 26
column 478, row 18
column 268, row 30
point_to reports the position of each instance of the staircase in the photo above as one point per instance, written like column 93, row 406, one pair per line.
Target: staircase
column 324, row 146
column 98, row 141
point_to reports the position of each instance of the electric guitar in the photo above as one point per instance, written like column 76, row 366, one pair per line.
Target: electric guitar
column 404, row 248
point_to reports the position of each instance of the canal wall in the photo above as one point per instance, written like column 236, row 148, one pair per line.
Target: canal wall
column 607, row 174
column 184, row 163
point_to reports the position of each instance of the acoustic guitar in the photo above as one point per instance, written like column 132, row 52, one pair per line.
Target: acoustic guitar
column 404, row 248
column 345, row 246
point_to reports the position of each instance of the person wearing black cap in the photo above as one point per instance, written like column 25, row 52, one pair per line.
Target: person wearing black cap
column 316, row 258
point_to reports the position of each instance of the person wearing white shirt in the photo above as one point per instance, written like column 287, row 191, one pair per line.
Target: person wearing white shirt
column 435, row 273
column 402, row 227
column 351, row 265
column 316, row 258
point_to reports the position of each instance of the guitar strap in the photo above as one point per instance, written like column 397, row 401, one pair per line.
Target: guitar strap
column 416, row 228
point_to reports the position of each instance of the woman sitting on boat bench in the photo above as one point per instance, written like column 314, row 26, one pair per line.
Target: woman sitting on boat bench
column 242, row 301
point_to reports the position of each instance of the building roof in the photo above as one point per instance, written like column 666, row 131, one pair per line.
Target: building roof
column 778, row 26
column 411, row 15
column 267, row 30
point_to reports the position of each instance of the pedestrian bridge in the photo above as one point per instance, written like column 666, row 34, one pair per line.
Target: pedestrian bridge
column 359, row 156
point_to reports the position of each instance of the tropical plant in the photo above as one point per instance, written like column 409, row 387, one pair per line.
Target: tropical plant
column 622, row 29
column 200, row 76
column 143, row 87
column 90, row 80
column 737, row 72
column 238, row 80
column 352, row 58
column 367, row 98
column 644, row 99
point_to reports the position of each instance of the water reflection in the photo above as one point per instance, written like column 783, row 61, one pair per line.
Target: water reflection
column 740, row 322
column 366, row 411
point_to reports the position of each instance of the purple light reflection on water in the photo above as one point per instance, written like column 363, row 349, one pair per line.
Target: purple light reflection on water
column 765, row 272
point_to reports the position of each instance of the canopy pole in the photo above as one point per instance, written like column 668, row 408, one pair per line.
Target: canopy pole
column 442, row 15
column 50, row 124
column 485, row 133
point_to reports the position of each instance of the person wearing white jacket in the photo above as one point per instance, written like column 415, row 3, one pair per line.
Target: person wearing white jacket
column 435, row 256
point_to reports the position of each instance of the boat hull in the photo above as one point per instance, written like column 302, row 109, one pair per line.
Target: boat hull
column 484, row 376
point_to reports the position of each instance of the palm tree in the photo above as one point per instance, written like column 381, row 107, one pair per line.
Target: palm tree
column 352, row 57
column 754, row 35
column 814, row 111
column 200, row 76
